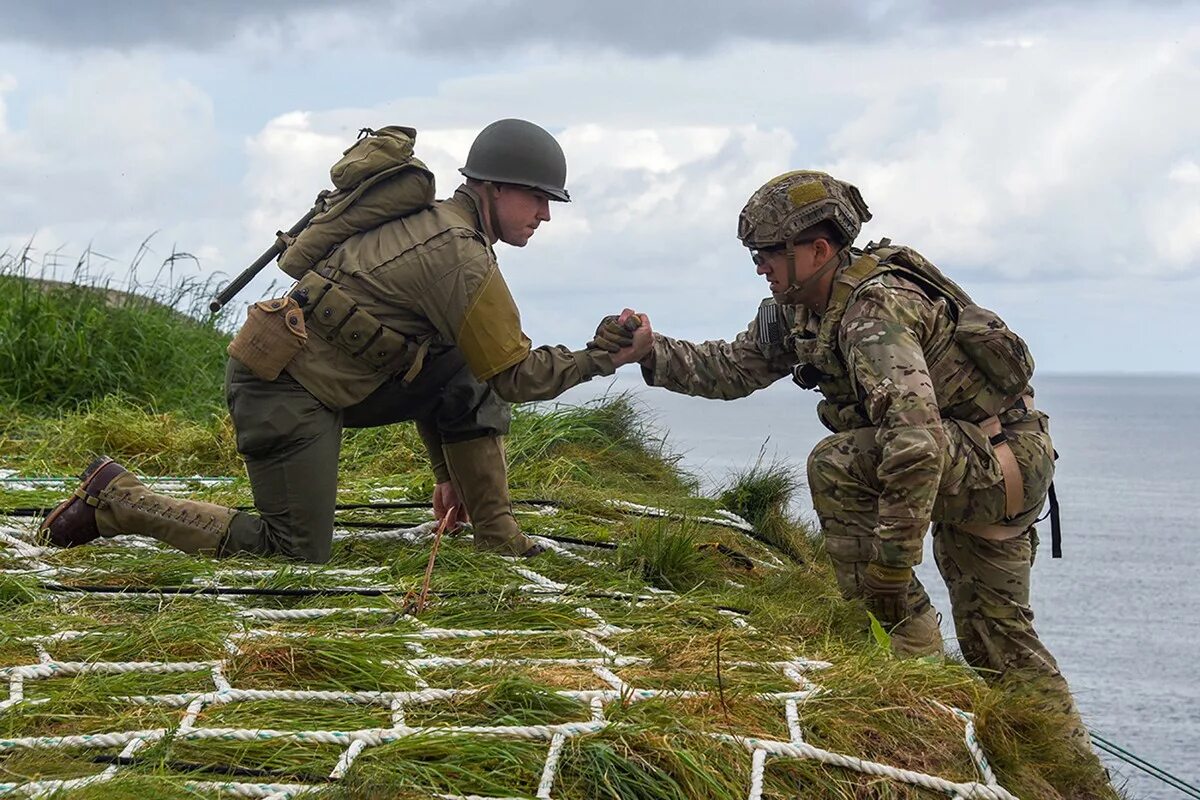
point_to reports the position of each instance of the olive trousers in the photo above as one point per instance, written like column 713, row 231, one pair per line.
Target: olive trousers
column 290, row 442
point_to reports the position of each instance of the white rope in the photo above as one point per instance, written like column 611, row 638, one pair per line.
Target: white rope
column 347, row 758
column 972, row 791
column 758, row 764
column 551, row 765
column 540, row 588
column 726, row 519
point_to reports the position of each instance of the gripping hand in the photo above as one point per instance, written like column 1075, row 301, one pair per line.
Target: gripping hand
column 612, row 334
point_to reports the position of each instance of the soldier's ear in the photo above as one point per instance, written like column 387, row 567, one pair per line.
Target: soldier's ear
column 823, row 250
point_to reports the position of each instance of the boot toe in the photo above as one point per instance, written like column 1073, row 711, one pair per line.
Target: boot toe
column 73, row 521
column 535, row 551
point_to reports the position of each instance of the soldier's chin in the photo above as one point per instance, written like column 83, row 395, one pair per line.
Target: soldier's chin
column 518, row 241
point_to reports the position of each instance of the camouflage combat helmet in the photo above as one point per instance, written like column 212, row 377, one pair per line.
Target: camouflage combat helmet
column 516, row 151
column 787, row 204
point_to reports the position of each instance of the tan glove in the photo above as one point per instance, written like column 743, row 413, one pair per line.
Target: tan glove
column 885, row 590
column 612, row 335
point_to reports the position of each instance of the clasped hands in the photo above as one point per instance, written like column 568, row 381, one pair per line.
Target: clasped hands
column 628, row 337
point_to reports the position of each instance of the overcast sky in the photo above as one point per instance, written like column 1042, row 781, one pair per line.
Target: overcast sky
column 1046, row 154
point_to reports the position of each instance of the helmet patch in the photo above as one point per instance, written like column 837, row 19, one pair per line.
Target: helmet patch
column 804, row 193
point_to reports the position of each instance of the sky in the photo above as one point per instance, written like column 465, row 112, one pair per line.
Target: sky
column 1045, row 154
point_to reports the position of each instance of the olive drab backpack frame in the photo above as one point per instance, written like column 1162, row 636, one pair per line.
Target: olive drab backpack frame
column 377, row 179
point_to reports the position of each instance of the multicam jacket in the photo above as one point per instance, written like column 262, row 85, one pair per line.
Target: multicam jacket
column 883, row 354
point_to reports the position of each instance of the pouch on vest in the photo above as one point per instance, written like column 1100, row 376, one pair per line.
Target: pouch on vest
column 999, row 352
column 270, row 338
column 337, row 318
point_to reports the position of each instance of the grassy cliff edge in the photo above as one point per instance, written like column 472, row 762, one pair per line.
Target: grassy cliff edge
column 696, row 645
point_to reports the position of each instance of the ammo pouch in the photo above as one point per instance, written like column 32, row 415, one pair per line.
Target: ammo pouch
column 997, row 351
column 270, row 338
column 335, row 316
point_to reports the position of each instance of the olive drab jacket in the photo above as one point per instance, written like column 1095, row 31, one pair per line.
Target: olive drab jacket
column 412, row 289
column 885, row 353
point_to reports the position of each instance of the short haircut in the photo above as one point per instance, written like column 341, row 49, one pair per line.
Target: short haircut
column 824, row 229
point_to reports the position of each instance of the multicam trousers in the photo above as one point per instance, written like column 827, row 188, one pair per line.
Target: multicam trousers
column 988, row 581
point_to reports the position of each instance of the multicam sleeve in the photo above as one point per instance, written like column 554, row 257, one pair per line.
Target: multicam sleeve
column 717, row 369
column 880, row 339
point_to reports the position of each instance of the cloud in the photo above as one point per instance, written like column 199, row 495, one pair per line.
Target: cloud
column 116, row 152
column 124, row 24
column 7, row 84
column 633, row 27
column 1016, row 152
column 1035, row 163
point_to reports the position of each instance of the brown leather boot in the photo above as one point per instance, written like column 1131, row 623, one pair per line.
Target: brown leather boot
column 480, row 477
column 73, row 521
column 111, row 501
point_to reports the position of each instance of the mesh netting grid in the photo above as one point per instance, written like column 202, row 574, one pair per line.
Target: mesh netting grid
column 603, row 661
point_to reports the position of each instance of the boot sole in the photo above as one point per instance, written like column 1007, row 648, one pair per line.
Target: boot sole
column 85, row 480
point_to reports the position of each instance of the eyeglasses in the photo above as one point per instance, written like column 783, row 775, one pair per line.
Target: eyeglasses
column 760, row 255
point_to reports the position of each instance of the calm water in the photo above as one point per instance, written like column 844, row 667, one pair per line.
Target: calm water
column 1121, row 610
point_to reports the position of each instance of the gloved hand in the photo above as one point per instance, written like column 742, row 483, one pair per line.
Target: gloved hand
column 612, row 334
column 885, row 590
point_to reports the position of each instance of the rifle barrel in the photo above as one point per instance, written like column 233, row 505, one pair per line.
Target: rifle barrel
column 247, row 275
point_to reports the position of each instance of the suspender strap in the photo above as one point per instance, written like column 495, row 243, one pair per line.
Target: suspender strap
column 1014, row 489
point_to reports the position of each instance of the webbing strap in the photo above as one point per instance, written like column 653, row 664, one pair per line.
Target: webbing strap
column 1014, row 489
column 418, row 361
column 1055, row 527
column 1014, row 486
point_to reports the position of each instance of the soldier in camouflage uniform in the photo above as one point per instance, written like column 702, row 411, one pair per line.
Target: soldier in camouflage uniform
column 409, row 320
column 932, row 421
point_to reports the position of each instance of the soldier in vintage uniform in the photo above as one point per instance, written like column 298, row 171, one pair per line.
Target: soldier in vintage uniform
column 410, row 319
column 928, row 400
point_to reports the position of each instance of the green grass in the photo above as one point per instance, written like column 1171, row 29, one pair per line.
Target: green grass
column 79, row 342
column 761, row 495
column 873, row 706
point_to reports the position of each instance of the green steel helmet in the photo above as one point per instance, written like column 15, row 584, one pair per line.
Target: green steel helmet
column 792, row 202
column 516, row 151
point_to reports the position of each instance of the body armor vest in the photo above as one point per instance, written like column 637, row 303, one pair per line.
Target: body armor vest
column 978, row 367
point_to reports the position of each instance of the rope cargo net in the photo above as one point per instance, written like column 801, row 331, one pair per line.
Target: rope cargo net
column 603, row 660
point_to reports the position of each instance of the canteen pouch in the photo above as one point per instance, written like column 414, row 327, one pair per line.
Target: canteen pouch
column 995, row 349
column 270, row 338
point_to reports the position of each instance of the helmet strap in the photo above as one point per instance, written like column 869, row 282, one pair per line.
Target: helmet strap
column 491, row 222
column 796, row 286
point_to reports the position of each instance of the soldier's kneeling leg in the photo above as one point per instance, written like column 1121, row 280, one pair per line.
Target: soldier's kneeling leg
column 290, row 443
column 469, row 418
column 842, row 476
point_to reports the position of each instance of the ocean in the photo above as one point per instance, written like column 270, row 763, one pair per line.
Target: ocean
column 1120, row 611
